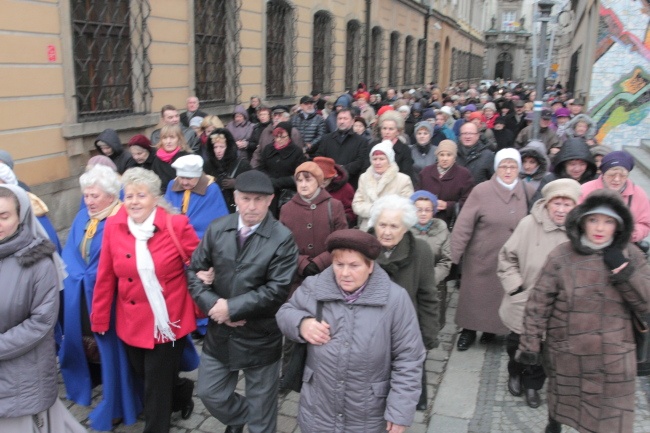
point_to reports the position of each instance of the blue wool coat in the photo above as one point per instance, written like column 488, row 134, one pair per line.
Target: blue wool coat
column 121, row 396
column 206, row 203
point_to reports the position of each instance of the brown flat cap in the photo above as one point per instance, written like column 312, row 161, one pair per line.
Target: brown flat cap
column 354, row 239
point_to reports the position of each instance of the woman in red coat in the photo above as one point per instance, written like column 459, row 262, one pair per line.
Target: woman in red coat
column 141, row 273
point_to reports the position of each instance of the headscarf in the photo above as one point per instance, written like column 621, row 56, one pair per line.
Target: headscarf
column 35, row 230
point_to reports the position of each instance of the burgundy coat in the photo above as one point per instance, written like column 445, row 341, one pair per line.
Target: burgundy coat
column 118, row 274
column 343, row 191
column 310, row 224
column 454, row 187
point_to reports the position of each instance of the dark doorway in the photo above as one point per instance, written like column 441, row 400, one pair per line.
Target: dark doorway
column 504, row 67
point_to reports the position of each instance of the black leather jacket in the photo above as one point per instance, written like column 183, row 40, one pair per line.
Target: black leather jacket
column 255, row 280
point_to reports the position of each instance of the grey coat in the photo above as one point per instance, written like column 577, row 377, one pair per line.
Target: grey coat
column 370, row 372
column 28, row 313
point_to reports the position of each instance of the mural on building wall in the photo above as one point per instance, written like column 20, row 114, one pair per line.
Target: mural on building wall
column 620, row 86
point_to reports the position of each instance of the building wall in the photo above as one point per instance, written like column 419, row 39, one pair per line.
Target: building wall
column 619, row 94
column 40, row 126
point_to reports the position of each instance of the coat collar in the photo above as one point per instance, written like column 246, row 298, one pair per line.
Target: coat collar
column 265, row 228
column 505, row 194
column 376, row 293
column 200, row 188
column 322, row 196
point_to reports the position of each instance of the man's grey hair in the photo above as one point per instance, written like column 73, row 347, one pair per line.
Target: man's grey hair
column 394, row 202
column 102, row 177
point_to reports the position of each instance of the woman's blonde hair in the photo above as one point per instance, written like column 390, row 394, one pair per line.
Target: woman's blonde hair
column 173, row 131
column 395, row 117
column 211, row 120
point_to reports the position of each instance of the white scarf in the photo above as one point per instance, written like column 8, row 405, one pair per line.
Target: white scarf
column 143, row 232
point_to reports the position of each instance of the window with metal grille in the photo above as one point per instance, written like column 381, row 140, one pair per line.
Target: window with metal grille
column 376, row 54
column 353, row 54
column 322, row 52
column 393, row 59
column 216, row 51
column 110, row 41
column 279, row 49
column 408, row 60
column 422, row 52
column 436, row 62
column 454, row 64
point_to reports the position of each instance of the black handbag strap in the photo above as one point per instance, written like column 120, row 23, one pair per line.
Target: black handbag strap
column 329, row 216
column 319, row 311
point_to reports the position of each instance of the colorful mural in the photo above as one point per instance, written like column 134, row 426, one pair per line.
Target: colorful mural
column 620, row 86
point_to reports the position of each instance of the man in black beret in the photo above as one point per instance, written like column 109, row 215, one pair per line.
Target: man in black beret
column 254, row 258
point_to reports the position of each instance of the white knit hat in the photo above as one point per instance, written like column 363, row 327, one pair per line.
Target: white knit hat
column 385, row 147
column 508, row 153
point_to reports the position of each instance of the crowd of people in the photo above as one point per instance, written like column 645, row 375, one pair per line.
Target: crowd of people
column 341, row 223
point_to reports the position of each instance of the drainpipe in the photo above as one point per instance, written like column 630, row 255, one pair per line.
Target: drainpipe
column 426, row 40
column 366, row 59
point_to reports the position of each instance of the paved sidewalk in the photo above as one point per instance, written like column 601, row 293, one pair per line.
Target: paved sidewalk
column 467, row 394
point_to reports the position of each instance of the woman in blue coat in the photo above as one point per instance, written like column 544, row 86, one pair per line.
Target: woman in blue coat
column 86, row 358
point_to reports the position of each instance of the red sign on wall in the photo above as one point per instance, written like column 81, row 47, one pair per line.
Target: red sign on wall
column 51, row 53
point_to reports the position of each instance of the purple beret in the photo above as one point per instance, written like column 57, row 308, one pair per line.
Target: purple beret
column 617, row 159
column 354, row 239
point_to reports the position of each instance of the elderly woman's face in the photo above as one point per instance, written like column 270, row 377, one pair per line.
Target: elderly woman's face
column 599, row 228
column 422, row 136
column 380, row 163
column 351, row 269
column 9, row 218
column 508, row 171
column 446, row 159
column 558, row 208
column 96, row 199
column 306, row 184
column 139, row 202
column 425, row 211
column 188, row 183
column 615, row 178
column 389, row 130
column 139, row 154
column 390, row 227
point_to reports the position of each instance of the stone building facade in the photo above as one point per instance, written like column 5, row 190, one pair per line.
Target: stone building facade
column 72, row 68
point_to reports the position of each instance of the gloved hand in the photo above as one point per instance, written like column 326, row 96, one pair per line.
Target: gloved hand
column 528, row 358
column 228, row 183
column 310, row 269
column 613, row 257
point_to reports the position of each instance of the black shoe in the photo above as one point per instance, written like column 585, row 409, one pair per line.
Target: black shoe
column 467, row 338
column 234, row 429
column 532, row 398
column 486, row 337
column 186, row 412
column 422, row 404
column 553, row 426
column 514, row 385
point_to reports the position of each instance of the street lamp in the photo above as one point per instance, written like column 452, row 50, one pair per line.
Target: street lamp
column 545, row 7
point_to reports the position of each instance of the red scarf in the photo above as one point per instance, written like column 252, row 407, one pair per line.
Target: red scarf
column 167, row 156
column 280, row 147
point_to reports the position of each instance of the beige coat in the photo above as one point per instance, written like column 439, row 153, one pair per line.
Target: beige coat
column 485, row 223
column 371, row 188
column 521, row 260
column 438, row 239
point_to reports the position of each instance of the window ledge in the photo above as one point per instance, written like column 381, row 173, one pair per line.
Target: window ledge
column 84, row 129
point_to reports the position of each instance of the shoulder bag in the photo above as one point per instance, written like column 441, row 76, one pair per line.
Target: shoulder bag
column 295, row 368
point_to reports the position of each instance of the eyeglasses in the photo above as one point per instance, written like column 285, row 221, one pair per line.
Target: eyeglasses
column 424, row 210
column 282, row 136
column 508, row 167
column 469, row 133
column 610, row 176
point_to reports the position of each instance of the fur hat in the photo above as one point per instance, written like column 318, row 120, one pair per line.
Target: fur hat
column 311, row 168
column 489, row 106
column 568, row 188
column 426, row 125
column 385, row 147
column 354, row 239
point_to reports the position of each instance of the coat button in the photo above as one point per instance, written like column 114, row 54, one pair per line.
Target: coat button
column 130, row 280
column 132, row 302
column 128, row 256
column 309, row 225
column 312, row 207
column 310, row 246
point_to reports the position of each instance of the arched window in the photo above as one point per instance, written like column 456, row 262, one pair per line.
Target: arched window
column 394, row 54
column 279, row 49
column 216, row 51
column 408, row 60
column 353, row 54
column 110, row 43
column 419, row 72
column 376, row 53
column 322, row 52
column 436, row 62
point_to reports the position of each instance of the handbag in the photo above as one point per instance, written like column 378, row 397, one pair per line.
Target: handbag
column 296, row 366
